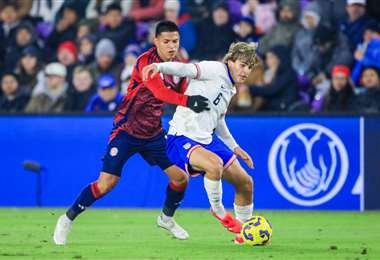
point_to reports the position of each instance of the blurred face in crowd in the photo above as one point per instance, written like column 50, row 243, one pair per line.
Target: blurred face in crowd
column 9, row 84
column 66, row 57
column 83, row 30
column 82, row 80
column 339, row 81
column 370, row 79
column 271, row 60
column 8, row 15
column 252, row 5
column 54, row 81
column 286, row 14
column 220, row 16
column 171, row 15
column 325, row 47
column 29, row 63
column 245, row 29
column 239, row 70
column 113, row 18
column 130, row 60
column 86, row 47
column 104, row 61
column 23, row 37
column 167, row 44
column 69, row 16
column 310, row 21
column 355, row 11
column 108, row 94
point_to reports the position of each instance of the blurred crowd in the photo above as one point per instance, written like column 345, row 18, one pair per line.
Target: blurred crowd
column 78, row 55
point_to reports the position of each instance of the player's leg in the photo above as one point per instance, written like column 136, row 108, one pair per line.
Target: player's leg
column 155, row 153
column 203, row 160
column 243, row 184
column 118, row 151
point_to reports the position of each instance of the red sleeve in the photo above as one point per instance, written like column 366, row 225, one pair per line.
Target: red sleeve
column 160, row 91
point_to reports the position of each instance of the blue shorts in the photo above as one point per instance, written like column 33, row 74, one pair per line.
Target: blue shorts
column 180, row 148
column 122, row 146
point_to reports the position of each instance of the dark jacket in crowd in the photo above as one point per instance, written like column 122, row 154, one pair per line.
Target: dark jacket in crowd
column 339, row 100
column 77, row 101
column 121, row 35
column 282, row 92
column 367, row 102
column 17, row 104
column 354, row 30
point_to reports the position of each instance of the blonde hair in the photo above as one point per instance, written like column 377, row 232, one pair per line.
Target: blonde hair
column 245, row 52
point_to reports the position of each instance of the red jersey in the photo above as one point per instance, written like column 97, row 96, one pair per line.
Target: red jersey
column 140, row 112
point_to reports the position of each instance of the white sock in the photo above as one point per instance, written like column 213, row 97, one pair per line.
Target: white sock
column 215, row 192
column 243, row 213
column 165, row 218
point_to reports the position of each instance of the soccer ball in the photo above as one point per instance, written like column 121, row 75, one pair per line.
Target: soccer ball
column 256, row 231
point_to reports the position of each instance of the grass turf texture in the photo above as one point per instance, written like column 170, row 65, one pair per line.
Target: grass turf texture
column 132, row 234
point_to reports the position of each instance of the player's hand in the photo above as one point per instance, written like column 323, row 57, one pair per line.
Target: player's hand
column 244, row 156
column 197, row 103
column 149, row 71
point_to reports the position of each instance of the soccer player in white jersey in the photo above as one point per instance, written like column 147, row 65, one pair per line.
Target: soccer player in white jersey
column 192, row 144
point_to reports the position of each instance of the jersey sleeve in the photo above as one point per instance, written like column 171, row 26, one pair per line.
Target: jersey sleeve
column 222, row 131
column 160, row 91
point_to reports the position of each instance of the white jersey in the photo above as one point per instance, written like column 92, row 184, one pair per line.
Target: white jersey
column 212, row 80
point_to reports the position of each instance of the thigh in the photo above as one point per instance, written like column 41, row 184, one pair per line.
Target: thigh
column 154, row 152
column 118, row 151
column 222, row 151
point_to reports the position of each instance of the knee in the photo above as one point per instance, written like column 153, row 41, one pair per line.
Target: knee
column 248, row 184
column 214, row 168
column 181, row 179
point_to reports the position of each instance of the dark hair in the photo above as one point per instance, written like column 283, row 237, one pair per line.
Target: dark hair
column 8, row 4
column 166, row 26
column 113, row 7
column 8, row 73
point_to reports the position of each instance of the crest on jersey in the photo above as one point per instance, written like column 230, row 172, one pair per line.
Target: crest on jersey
column 308, row 164
column 114, row 151
column 187, row 146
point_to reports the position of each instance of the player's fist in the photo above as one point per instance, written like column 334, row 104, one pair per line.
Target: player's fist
column 197, row 103
column 149, row 71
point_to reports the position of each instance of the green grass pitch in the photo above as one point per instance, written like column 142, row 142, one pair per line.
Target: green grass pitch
column 132, row 234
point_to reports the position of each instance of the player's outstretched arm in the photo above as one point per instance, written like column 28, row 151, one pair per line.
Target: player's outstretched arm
column 226, row 136
column 156, row 85
column 171, row 68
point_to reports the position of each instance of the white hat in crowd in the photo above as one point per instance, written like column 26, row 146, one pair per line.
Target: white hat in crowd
column 358, row 2
column 56, row 69
column 172, row 5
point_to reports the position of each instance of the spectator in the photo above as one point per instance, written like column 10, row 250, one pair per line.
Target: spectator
column 150, row 10
column 108, row 97
column 368, row 52
column 246, row 30
column 25, row 36
column 97, row 7
column 262, row 12
column 83, row 88
column 29, row 69
column 356, row 22
column 105, row 62
column 303, row 41
column 341, row 91
column 51, row 97
column 330, row 48
column 8, row 27
column 282, row 33
column 120, row 31
column 47, row 10
column 86, row 49
column 65, row 28
column 86, row 27
column 368, row 99
column 12, row 99
column 186, row 27
column 210, row 45
column 130, row 55
column 199, row 9
column 280, row 81
column 67, row 55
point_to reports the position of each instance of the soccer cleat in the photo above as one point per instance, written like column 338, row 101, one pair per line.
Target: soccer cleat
column 228, row 221
column 172, row 226
column 238, row 240
column 62, row 230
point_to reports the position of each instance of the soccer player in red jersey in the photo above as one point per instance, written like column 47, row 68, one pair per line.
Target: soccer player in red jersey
column 137, row 129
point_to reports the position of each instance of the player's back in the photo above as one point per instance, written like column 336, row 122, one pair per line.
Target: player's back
column 215, row 83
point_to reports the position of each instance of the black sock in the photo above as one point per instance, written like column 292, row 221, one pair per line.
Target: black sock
column 174, row 196
column 85, row 199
